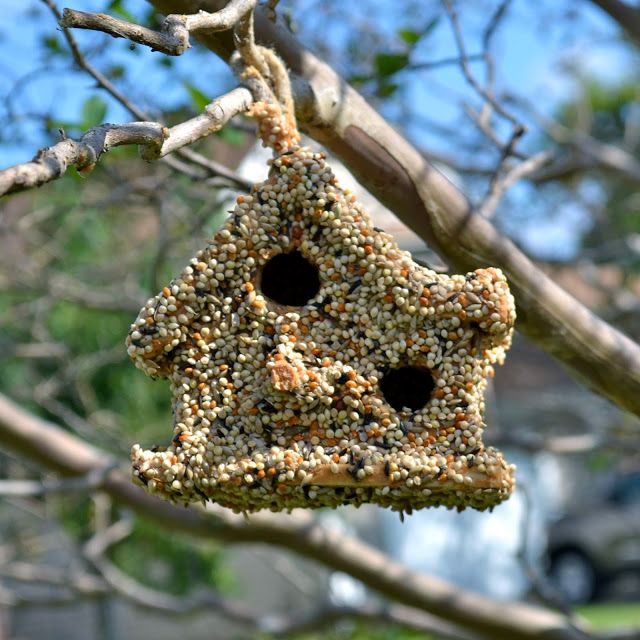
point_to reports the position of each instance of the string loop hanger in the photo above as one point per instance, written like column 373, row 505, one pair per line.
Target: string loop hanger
column 265, row 75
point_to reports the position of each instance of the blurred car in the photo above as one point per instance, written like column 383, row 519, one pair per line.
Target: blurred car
column 597, row 542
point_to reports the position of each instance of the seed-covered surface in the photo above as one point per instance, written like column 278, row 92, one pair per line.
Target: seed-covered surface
column 359, row 378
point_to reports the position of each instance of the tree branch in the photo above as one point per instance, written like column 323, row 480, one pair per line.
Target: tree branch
column 216, row 114
column 55, row 449
column 627, row 16
column 500, row 185
column 89, row 481
column 155, row 140
column 216, row 168
column 138, row 113
column 277, row 625
column 174, row 37
column 399, row 176
column 51, row 163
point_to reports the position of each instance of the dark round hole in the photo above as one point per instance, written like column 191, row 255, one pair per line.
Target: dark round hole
column 289, row 278
column 407, row 387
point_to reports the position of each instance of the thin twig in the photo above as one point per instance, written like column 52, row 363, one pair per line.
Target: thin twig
column 50, row 446
column 500, row 186
column 173, row 39
column 487, row 37
column 217, row 169
column 216, row 114
column 481, row 121
column 90, row 481
column 464, row 63
column 494, row 23
column 206, row 123
column 84, row 64
column 442, row 62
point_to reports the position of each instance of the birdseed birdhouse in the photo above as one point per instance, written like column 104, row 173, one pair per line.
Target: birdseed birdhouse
column 313, row 363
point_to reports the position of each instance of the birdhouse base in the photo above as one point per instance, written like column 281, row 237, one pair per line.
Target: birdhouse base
column 258, row 483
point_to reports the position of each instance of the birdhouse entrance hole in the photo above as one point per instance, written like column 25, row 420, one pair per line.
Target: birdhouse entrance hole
column 407, row 387
column 290, row 279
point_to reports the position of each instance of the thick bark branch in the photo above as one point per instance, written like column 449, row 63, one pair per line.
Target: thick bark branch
column 55, row 449
column 627, row 16
column 400, row 177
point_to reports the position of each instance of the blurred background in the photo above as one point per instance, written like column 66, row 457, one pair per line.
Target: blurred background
column 78, row 258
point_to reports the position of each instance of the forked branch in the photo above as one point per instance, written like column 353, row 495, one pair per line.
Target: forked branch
column 53, row 448
column 52, row 162
column 173, row 39
column 399, row 176
column 155, row 140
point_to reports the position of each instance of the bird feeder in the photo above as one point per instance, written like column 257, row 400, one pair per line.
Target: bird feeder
column 313, row 363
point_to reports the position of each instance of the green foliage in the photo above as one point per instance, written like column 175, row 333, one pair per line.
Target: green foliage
column 198, row 98
column 386, row 64
column 409, row 36
column 76, row 514
column 412, row 37
column 116, row 71
column 389, row 63
column 169, row 562
column 93, row 112
column 604, row 106
column 116, row 7
column 52, row 45
column 612, row 615
column 232, row 136
column 361, row 631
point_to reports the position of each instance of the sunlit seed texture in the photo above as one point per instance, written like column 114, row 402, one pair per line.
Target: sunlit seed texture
column 288, row 384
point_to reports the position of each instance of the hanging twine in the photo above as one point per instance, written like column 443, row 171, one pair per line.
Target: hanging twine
column 274, row 110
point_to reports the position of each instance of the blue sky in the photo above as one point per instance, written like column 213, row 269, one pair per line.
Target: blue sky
column 526, row 49
column 532, row 50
